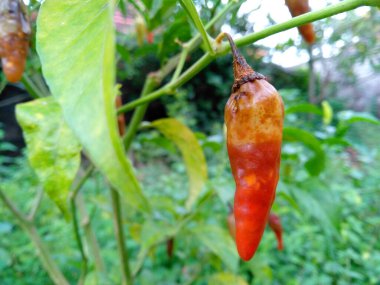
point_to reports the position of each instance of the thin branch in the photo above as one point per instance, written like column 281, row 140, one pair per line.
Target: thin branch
column 119, row 233
column 73, row 208
column 31, row 87
column 180, row 65
column 15, row 211
column 139, row 113
column 79, row 241
column 90, row 236
column 36, row 204
column 83, row 179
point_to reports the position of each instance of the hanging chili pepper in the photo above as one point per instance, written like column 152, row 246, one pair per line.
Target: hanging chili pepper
column 275, row 224
column 14, row 38
column 299, row 7
column 254, row 117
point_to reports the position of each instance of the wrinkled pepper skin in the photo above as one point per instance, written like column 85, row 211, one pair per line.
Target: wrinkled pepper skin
column 254, row 117
column 14, row 38
column 299, row 7
column 275, row 224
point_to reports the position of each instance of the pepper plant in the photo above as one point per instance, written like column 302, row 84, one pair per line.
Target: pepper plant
column 75, row 119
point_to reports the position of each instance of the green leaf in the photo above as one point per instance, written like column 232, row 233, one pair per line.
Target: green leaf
column 226, row 279
column 327, row 112
column 53, row 150
column 350, row 117
column 315, row 164
column 304, row 108
column 191, row 151
column 347, row 118
column 317, row 208
column 76, row 45
column 219, row 242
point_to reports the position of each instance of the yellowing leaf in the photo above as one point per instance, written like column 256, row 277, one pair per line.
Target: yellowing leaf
column 53, row 150
column 191, row 151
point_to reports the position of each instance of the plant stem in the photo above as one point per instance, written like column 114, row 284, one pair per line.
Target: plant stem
column 180, row 65
column 73, row 207
column 189, row 7
column 119, row 233
column 79, row 241
column 42, row 251
column 168, row 88
column 83, row 179
column 90, row 236
column 36, row 204
column 30, row 87
column 249, row 39
column 138, row 115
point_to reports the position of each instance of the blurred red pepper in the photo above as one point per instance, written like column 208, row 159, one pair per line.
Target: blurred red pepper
column 275, row 224
column 299, row 7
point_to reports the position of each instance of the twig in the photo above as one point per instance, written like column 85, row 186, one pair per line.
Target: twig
column 90, row 236
column 73, row 207
column 138, row 115
column 22, row 219
column 119, row 233
column 79, row 242
column 36, row 204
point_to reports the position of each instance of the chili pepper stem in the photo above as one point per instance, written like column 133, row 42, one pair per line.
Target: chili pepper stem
column 241, row 67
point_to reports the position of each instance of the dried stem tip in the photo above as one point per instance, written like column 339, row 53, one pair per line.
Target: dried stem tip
column 241, row 67
column 243, row 73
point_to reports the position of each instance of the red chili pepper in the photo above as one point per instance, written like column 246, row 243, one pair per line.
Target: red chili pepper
column 275, row 224
column 254, row 117
column 299, row 7
column 14, row 38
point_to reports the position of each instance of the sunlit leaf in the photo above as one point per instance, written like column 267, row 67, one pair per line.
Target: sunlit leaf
column 191, row 151
column 53, row 150
column 219, row 242
column 75, row 42
column 226, row 279
column 316, row 163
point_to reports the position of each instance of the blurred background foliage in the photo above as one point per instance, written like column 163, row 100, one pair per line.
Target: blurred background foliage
column 328, row 194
